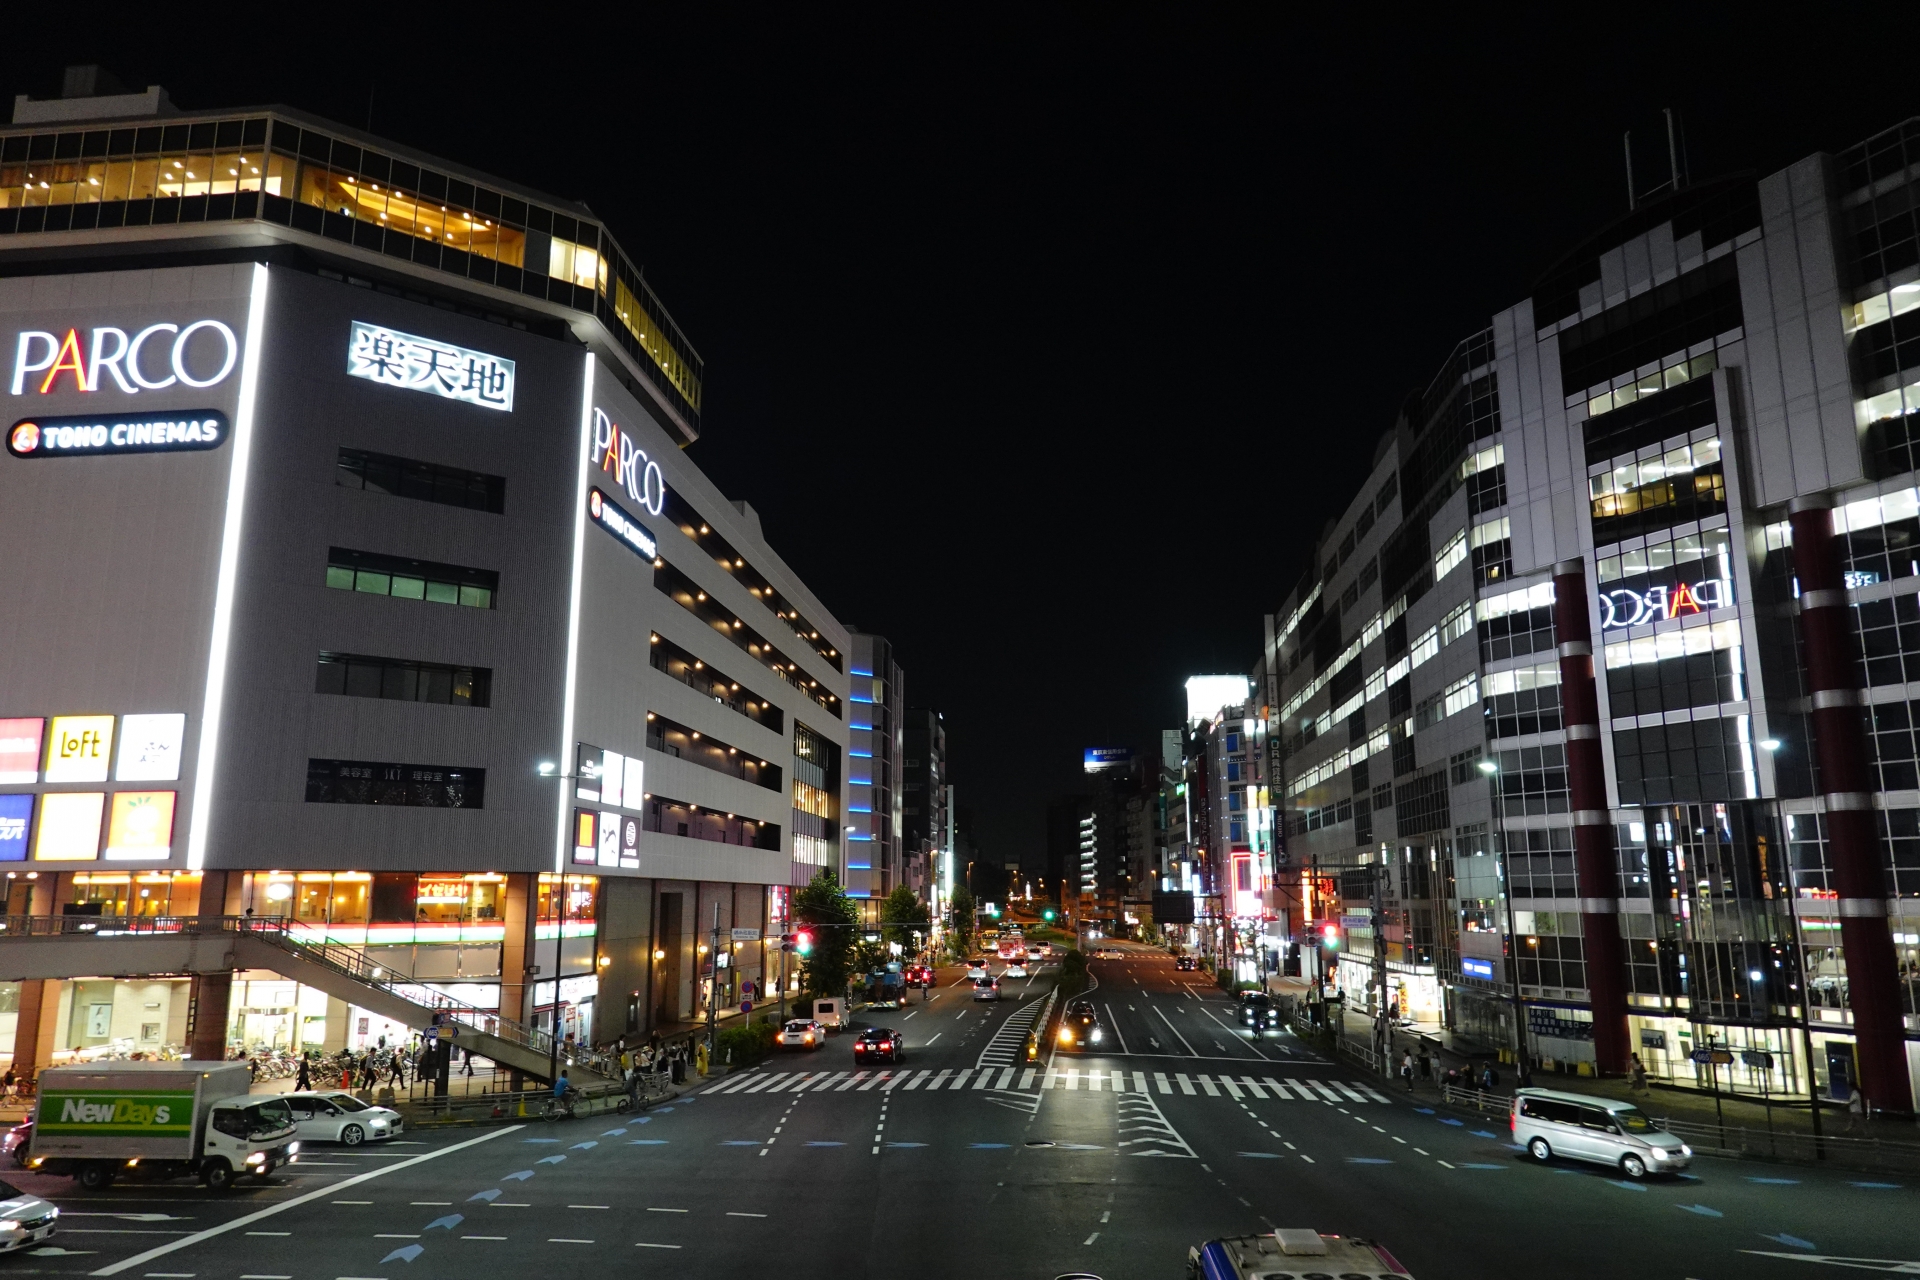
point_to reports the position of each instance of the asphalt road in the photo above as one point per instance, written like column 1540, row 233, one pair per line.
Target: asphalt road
column 1111, row 1163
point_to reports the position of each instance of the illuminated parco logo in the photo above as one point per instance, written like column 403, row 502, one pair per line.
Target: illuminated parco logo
column 200, row 354
column 616, row 455
column 1623, row 608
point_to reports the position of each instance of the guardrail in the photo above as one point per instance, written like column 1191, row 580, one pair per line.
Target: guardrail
column 1477, row 1099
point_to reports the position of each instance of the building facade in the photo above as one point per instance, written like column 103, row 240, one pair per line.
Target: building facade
column 1598, row 682
column 926, row 826
column 875, row 830
column 402, row 614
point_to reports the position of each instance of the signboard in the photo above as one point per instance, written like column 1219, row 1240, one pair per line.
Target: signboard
column 20, row 748
column 626, row 464
column 84, row 435
column 150, row 748
column 586, row 847
column 1757, row 1058
column 1172, row 908
column 1356, row 920
column 609, row 515
column 609, row 839
column 199, row 354
column 115, row 1113
column 613, row 776
column 140, row 826
column 1476, row 968
column 746, row 935
column 1712, row 1057
column 78, row 748
column 406, row 360
column 16, row 817
column 630, row 841
column 1096, row 759
column 69, row 826
column 1624, row 608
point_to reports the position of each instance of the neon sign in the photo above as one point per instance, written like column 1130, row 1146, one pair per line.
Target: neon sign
column 129, row 361
column 612, row 517
column 1624, row 608
column 413, row 363
column 80, row 436
column 615, row 453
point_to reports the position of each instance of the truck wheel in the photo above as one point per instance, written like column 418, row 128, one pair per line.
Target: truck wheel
column 95, row 1177
column 353, row 1135
column 218, row 1175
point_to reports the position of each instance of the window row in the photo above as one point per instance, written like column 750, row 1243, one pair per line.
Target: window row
column 360, row 676
column 371, row 573
column 1531, row 781
column 1698, row 760
column 418, row 786
column 425, row 481
column 668, row 657
column 1694, row 308
column 681, row 742
column 679, row 818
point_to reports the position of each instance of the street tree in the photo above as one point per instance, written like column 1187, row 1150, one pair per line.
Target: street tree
column 822, row 903
column 960, row 919
column 900, row 915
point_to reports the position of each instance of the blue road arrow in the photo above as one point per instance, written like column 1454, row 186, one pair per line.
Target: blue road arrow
column 1079, row 1146
column 1425, row 1111
column 977, row 1146
column 522, row 1175
column 906, row 1144
column 1624, row 1186
column 1876, row 1186
column 451, row 1221
column 542, row 1141
column 406, row 1253
column 1702, row 1210
column 638, row 1120
column 488, row 1196
column 1484, row 1133
column 1776, row 1182
column 549, row 1160
column 614, row 1133
column 1795, row 1241
column 1367, row 1160
column 741, row 1142
column 647, row 1142
column 826, row 1144
column 590, row 1144
column 660, row 1111
column 1480, row 1166
column 1261, row 1155
column 1458, row 1124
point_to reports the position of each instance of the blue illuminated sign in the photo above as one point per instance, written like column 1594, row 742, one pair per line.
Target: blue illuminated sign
column 1094, row 759
column 1476, row 968
column 16, row 818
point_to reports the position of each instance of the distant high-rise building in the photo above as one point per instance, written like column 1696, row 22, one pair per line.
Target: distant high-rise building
column 924, row 787
column 876, row 724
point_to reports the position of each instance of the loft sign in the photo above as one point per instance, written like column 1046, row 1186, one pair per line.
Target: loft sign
column 1624, row 608
column 406, row 360
column 199, row 354
column 617, row 457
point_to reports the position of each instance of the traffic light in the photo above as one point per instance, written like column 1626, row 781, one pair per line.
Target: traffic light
column 1330, row 936
column 786, row 942
column 803, row 942
column 1047, row 914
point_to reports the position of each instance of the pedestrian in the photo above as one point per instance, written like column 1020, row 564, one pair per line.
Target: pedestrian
column 469, row 1063
column 1406, row 1069
column 1426, row 1066
column 1637, row 1075
column 1856, row 1109
column 303, row 1081
column 1489, row 1079
column 397, row 1069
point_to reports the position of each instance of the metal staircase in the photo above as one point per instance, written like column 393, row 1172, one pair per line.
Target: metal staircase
column 138, row 946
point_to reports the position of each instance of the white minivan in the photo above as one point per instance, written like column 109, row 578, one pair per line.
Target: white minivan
column 831, row 1014
column 1581, row 1127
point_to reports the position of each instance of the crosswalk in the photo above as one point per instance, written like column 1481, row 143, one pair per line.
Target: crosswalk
column 1036, row 1079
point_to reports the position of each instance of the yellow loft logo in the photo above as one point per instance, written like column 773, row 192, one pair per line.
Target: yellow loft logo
column 78, row 748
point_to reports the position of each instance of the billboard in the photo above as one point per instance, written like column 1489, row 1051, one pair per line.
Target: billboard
column 1098, row 759
column 1172, row 908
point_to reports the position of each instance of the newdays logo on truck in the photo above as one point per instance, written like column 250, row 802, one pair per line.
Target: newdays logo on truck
column 133, row 1113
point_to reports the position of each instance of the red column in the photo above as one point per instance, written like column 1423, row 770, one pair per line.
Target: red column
column 1853, row 844
column 1594, row 859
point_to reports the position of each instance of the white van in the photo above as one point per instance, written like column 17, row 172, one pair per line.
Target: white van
column 831, row 1014
column 1600, row 1130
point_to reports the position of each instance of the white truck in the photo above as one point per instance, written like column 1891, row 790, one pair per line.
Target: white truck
column 96, row 1122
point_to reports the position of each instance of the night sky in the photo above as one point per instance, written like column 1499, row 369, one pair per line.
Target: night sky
column 1045, row 340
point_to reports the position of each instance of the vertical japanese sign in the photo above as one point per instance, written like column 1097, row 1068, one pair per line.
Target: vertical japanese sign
column 409, row 361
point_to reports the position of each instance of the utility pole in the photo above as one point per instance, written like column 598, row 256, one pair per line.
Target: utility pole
column 713, row 982
column 1382, row 1022
column 785, row 946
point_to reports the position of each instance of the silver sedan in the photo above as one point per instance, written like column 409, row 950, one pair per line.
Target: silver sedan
column 24, row 1220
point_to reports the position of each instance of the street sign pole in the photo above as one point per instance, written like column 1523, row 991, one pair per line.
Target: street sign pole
column 713, row 984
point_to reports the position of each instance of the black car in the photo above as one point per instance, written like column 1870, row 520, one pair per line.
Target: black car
column 876, row 1043
column 1185, row 964
column 1257, row 1009
column 1079, row 1028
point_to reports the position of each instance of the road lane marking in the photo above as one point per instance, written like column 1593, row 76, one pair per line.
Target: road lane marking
column 764, row 1081
column 1253, row 1088
column 269, row 1211
column 1090, row 1239
column 1176, row 1031
column 857, row 1077
column 254, row 1233
column 653, row 1210
column 588, row 1206
column 960, row 1080
column 1186, row 1085
column 644, row 1245
column 733, row 1213
column 877, row 1078
column 1353, row 1094
column 479, row 1238
column 1026, row 1077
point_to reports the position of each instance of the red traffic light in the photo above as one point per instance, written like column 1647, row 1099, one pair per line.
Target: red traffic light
column 803, row 941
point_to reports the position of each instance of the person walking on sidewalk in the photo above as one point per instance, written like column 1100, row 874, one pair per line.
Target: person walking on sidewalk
column 303, row 1081
column 1636, row 1075
column 1406, row 1069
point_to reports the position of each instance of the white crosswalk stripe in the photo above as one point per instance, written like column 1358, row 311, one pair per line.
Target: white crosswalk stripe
column 1073, row 1079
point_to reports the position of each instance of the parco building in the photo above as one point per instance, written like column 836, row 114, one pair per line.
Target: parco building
column 364, row 583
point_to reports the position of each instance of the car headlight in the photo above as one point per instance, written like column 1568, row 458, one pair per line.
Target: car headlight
column 1096, row 1035
column 1661, row 1153
column 258, row 1157
column 9, row 1224
column 1685, row 1150
column 293, row 1148
column 1066, row 1036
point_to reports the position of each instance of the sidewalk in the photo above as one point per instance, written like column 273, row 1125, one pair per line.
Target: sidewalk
column 1666, row 1101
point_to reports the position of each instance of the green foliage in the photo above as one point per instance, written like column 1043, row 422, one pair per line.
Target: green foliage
column 868, row 956
column 748, row 1043
column 1073, row 975
column 960, row 919
column 900, row 915
column 825, row 971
